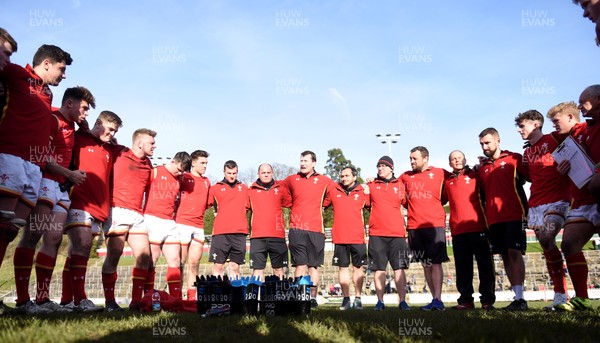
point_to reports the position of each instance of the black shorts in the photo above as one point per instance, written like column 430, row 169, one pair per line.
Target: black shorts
column 232, row 246
column 276, row 248
column 307, row 248
column 428, row 245
column 507, row 235
column 388, row 249
column 343, row 252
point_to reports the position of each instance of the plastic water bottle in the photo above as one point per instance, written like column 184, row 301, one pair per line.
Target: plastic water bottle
column 155, row 301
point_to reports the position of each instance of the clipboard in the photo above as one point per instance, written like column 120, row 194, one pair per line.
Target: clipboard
column 582, row 166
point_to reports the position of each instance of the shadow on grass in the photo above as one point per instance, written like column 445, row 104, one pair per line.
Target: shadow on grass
column 327, row 323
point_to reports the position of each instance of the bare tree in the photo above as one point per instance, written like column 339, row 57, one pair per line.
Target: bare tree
column 281, row 171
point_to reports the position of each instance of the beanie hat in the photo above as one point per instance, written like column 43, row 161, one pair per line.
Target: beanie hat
column 386, row 160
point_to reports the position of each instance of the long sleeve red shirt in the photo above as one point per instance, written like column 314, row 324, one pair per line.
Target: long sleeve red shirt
column 348, row 220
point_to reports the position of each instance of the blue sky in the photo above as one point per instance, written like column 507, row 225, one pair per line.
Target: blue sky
column 262, row 81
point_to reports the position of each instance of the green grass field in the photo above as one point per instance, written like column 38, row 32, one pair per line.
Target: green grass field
column 326, row 324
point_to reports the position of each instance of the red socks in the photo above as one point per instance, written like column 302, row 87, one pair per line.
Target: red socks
column 23, row 262
column 138, row 277
column 149, row 284
column 67, row 289
column 78, row 270
column 578, row 270
column 174, row 281
column 108, row 283
column 44, row 266
column 191, row 294
column 554, row 262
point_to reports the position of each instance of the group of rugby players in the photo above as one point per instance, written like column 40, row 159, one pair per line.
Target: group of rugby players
column 55, row 179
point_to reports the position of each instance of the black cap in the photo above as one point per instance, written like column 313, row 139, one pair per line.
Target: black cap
column 387, row 161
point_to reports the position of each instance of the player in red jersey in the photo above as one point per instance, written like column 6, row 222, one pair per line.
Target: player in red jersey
column 159, row 215
column 190, row 216
column 503, row 175
column 549, row 198
column 387, row 232
column 48, row 217
column 229, row 197
column 90, row 206
column 427, row 220
column 583, row 220
column 130, row 182
column 266, row 198
column 25, row 124
column 8, row 46
column 348, row 199
column 306, row 235
column 468, row 226
column 591, row 10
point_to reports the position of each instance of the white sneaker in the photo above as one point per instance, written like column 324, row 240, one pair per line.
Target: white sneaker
column 559, row 299
column 31, row 307
column 86, row 305
column 54, row 307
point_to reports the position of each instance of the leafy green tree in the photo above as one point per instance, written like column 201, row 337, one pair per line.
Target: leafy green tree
column 336, row 162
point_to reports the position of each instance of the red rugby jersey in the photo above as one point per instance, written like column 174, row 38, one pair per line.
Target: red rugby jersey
column 230, row 208
column 307, row 194
column 348, row 221
column 130, row 180
column 591, row 142
column 505, row 199
column 26, row 118
column 579, row 132
column 466, row 208
column 424, row 200
column 547, row 185
column 193, row 200
column 62, row 141
column 161, row 196
column 91, row 156
column 266, row 206
column 386, row 199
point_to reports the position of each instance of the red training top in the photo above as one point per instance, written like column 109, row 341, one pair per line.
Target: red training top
column 505, row 199
column 162, row 194
column 348, row 221
column 61, row 145
column 91, row 156
column 193, row 200
column 130, row 180
column 230, row 208
column 266, row 206
column 547, row 185
column 466, row 208
column 386, row 218
column 424, row 198
column 307, row 200
column 26, row 119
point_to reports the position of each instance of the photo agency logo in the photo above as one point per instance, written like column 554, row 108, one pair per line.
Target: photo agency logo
column 415, row 122
column 168, row 328
column 536, row 86
column 414, row 54
column 536, row 18
column 168, row 122
column 414, row 327
column 167, row 54
column 44, row 18
column 290, row 18
column 291, row 86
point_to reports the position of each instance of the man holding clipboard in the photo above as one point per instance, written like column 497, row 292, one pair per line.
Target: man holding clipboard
column 583, row 220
